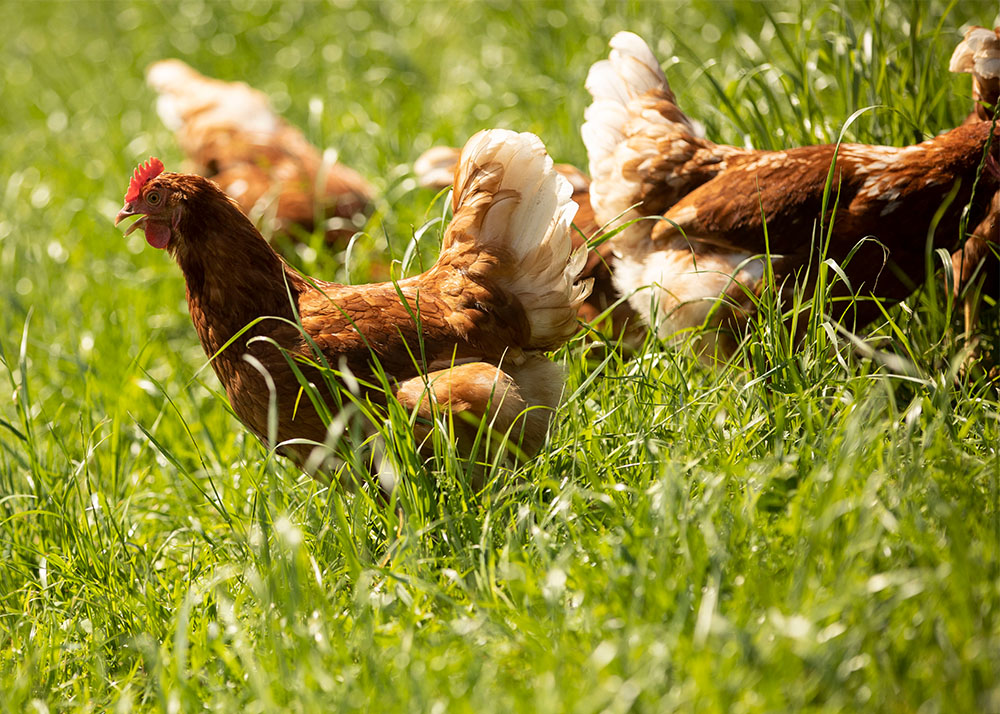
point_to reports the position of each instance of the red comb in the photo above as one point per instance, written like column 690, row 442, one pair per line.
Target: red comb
column 143, row 173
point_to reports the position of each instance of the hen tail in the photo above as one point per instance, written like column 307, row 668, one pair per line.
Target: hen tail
column 435, row 168
column 511, row 231
column 978, row 54
column 188, row 100
column 643, row 149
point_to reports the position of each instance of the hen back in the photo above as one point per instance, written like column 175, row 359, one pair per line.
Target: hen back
column 698, row 258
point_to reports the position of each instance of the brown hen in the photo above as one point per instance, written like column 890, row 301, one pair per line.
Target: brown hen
column 230, row 134
column 468, row 335
column 703, row 263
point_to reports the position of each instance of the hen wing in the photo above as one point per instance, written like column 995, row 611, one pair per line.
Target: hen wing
column 889, row 195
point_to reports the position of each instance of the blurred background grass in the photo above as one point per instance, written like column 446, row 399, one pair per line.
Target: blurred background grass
column 689, row 541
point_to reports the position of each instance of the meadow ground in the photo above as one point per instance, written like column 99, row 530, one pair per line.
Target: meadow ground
column 813, row 528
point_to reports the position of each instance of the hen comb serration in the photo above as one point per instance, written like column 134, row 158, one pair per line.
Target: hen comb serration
column 143, row 173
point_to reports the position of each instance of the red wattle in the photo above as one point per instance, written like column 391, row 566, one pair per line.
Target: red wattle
column 157, row 235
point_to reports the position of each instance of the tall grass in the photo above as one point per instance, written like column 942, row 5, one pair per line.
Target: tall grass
column 815, row 526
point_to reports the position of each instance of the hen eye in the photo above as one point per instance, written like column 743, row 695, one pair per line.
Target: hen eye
column 152, row 198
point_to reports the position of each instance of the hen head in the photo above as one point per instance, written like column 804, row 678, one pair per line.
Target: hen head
column 155, row 200
column 162, row 200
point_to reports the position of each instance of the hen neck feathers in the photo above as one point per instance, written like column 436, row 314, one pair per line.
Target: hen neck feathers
column 233, row 276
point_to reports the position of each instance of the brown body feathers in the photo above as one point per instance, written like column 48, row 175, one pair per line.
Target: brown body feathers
column 704, row 261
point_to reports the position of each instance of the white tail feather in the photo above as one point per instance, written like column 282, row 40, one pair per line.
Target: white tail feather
column 630, row 71
column 631, row 121
column 513, row 205
column 435, row 168
column 978, row 53
column 187, row 97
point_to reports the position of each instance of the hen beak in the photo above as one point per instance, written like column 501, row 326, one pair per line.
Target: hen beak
column 128, row 210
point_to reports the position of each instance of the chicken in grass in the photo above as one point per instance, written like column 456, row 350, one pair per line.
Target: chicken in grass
column 468, row 335
column 435, row 169
column 976, row 266
column 230, row 134
column 702, row 263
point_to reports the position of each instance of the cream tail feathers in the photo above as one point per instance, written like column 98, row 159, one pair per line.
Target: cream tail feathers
column 978, row 54
column 645, row 156
column 516, row 212
column 632, row 119
column 188, row 101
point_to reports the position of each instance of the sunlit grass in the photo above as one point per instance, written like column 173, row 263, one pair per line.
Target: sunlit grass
column 813, row 527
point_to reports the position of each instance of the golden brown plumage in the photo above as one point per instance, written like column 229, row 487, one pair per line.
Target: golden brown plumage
column 469, row 337
column 231, row 135
column 710, row 242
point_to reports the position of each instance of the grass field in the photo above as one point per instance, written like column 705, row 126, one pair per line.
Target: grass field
column 810, row 529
